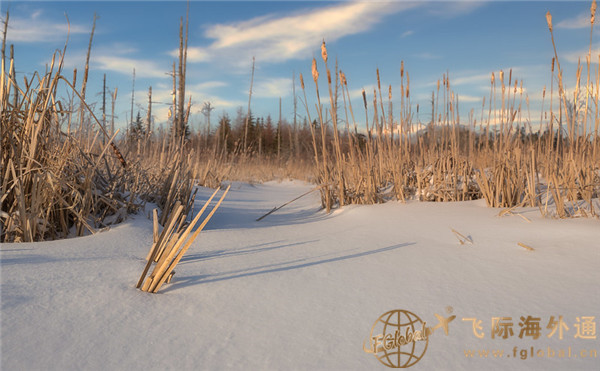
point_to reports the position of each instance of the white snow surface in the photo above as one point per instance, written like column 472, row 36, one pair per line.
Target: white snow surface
column 301, row 289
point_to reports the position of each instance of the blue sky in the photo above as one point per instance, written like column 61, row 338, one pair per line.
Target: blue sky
column 467, row 39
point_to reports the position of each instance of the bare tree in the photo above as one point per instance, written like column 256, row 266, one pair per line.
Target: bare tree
column 248, row 115
column 206, row 109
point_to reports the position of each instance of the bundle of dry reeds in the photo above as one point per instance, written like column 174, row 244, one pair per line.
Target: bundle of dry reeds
column 175, row 239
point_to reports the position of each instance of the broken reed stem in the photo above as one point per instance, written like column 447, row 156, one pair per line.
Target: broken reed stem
column 173, row 243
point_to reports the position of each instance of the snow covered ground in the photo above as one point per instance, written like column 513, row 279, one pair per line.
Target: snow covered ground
column 302, row 289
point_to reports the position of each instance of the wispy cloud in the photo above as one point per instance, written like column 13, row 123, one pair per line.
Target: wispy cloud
column 482, row 78
column 469, row 98
column 273, row 87
column 37, row 28
column 117, row 57
column 276, row 39
column 357, row 93
column 580, row 21
column 582, row 54
column 124, row 65
column 407, row 33
column 207, row 85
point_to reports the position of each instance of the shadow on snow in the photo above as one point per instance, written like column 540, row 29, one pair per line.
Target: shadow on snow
column 264, row 269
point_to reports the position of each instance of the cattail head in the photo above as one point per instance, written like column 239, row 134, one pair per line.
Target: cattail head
column 593, row 11
column 493, row 78
column 301, row 82
column 315, row 73
column 549, row 20
column 328, row 76
column 378, row 81
column 343, row 78
column 390, row 93
column 401, row 68
column 324, row 52
column 552, row 64
column 544, row 92
column 364, row 97
column 438, row 84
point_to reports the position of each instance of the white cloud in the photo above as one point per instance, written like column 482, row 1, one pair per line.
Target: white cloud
column 484, row 78
column 276, row 39
column 207, row 85
column 36, row 28
column 580, row 21
column 194, row 54
column 463, row 98
column 357, row 94
column 582, row 54
column 407, row 33
column 117, row 57
column 143, row 68
column 273, row 87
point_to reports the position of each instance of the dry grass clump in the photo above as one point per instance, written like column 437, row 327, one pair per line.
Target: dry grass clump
column 62, row 174
column 501, row 158
column 53, row 182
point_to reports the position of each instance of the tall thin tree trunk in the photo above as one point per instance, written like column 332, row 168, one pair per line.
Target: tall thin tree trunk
column 296, row 139
column 279, row 133
column 149, row 116
column 248, row 114
column 112, row 114
column 132, row 98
